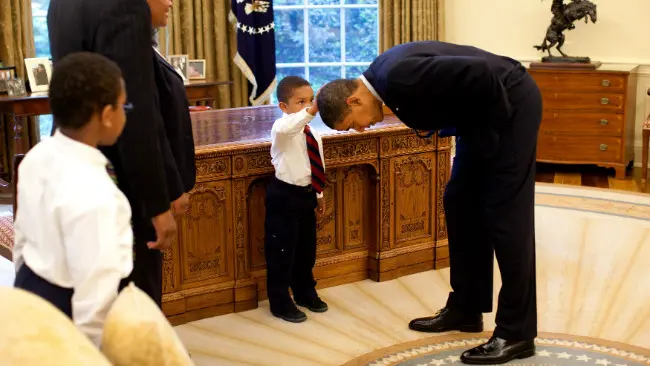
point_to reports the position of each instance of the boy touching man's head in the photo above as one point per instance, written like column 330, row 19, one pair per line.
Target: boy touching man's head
column 295, row 94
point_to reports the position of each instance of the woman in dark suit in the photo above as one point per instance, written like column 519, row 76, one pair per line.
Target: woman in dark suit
column 175, row 112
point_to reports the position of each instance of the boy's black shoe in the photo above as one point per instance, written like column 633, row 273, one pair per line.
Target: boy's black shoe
column 316, row 305
column 291, row 315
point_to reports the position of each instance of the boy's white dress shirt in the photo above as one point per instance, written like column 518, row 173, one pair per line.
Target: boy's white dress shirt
column 73, row 227
column 289, row 149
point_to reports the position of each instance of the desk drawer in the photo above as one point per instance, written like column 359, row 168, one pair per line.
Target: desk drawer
column 579, row 149
column 584, row 101
column 582, row 123
column 595, row 82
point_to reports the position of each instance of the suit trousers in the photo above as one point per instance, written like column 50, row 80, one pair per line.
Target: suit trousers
column 490, row 207
column 58, row 296
column 289, row 244
column 147, row 272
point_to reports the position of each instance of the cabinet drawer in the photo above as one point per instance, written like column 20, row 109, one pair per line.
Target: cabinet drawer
column 579, row 149
column 582, row 123
column 580, row 82
column 584, row 101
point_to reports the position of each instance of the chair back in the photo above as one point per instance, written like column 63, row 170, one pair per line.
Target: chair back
column 18, row 158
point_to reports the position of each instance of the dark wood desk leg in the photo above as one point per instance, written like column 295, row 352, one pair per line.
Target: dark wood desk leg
column 20, row 143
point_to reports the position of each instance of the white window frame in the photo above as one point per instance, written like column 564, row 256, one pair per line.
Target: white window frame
column 342, row 6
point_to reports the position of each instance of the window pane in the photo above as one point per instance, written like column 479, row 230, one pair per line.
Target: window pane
column 361, row 1
column 324, row 2
column 39, row 22
column 353, row 72
column 287, row 2
column 283, row 72
column 319, row 75
column 361, row 40
column 289, row 36
column 324, row 35
column 45, row 123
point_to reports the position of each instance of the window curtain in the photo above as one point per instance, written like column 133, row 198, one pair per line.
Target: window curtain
column 200, row 29
column 16, row 44
column 402, row 21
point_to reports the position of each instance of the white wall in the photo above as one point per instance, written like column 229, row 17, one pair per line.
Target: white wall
column 512, row 27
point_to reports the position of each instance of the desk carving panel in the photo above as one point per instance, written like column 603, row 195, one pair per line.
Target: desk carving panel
column 383, row 219
column 588, row 116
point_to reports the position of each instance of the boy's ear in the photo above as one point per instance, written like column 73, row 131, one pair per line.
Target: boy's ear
column 106, row 116
column 283, row 106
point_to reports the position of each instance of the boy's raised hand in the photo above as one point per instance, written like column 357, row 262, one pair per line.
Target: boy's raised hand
column 314, row 106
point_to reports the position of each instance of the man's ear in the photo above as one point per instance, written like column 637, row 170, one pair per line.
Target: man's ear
column 353, row 101
column 283, row 106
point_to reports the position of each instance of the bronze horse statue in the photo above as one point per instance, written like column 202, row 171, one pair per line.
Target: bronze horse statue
column 564, row 15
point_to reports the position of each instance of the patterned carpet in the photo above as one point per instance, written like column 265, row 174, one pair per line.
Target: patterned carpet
column 6, row 234
column 552, row 349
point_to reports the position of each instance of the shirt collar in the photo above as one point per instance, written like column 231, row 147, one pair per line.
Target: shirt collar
column 370, row 87
column 79, row 150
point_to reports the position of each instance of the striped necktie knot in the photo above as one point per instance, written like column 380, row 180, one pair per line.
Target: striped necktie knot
column 110, row 169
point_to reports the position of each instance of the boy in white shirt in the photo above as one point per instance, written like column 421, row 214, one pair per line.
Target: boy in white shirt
column 293, row 197
column 74, row 241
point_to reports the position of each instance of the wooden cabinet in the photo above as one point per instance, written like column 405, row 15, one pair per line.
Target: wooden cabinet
column 588, row 116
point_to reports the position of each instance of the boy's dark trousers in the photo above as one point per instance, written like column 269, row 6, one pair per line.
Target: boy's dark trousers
column 289, row 244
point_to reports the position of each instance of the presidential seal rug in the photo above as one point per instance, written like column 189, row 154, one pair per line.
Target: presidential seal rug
column 552, row 350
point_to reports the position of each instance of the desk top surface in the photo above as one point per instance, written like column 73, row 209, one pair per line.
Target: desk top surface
column 252, row 126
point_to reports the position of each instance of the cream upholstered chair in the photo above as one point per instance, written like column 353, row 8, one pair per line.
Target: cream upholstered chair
column 646, row 142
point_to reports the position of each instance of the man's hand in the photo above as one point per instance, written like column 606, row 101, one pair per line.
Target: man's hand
column 166, row 230
column 320, row 209
column 181, row 205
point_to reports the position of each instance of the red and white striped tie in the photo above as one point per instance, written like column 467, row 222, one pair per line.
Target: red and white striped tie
column 317, row 170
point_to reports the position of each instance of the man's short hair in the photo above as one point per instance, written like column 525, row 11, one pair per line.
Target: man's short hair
column 287, row 85
column 83, row 84
column 332, row 100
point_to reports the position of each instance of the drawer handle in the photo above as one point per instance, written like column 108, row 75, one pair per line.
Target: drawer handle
column 603, row 147
column 604, row 122
column 604, row 101
column 605, row 83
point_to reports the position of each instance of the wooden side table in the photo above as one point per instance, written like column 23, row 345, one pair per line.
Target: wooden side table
column 18, row 110
column 204, row 92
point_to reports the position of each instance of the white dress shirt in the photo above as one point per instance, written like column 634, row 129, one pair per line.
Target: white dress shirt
column 73, row 227
column 289, row 149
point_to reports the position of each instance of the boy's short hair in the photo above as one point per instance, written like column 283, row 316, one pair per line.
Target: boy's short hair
column 83, row 84
column 287, row 85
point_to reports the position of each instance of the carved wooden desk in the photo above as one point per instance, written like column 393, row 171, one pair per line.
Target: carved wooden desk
column 384, row 215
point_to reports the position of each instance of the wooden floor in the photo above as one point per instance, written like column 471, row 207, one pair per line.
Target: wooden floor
column 590, row 176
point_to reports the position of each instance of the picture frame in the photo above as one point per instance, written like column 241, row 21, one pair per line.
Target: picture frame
column 39, row 72
column 180, row 63
column 16, row 87
column 196, row 69
column 6, row 73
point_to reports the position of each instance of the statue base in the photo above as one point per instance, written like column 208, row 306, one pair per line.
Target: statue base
column 555, row 62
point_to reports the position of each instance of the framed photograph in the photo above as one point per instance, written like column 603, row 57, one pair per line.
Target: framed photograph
column 180, row 63
column 6, row 73
column 39, row 72
column 16, row 87
column 196, row 69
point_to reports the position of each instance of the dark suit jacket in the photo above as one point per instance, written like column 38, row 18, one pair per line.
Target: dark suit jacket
column 435, row 85
column 175, row 112
column 121, row 30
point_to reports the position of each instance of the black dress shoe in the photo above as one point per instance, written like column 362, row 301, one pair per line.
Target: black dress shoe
column 316, row 305
column 497, row 351
column 291, row 315
column 446, row 320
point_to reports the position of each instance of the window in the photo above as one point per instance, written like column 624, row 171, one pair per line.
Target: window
column 322, row 40
column 42, row 49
